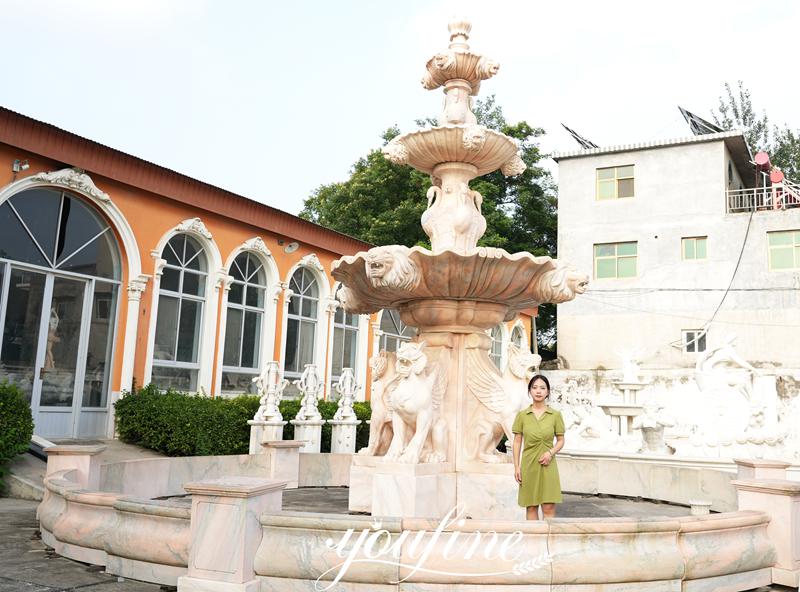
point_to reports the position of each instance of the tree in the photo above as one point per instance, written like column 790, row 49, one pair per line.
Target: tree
column 735, row 111
column 381, row 202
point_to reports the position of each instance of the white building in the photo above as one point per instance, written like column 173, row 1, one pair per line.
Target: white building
column 677, row 237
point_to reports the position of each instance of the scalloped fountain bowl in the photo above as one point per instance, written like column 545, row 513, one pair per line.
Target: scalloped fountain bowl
column 476, row 290
column 483, row 148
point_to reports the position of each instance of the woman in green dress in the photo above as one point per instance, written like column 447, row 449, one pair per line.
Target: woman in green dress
column 536, row 470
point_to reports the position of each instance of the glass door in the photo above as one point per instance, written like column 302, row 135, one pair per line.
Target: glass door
column 22, row 297
column 42, row 345
column 60, row 344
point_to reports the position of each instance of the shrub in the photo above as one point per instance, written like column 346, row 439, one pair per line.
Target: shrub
column 16, row 426
column 178, row 424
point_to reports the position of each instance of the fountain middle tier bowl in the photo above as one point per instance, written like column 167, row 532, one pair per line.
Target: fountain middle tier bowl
column 490, row 283
column 483, row 148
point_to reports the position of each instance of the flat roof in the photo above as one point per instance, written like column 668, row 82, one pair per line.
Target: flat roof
column 62, row 146
column 734, row 140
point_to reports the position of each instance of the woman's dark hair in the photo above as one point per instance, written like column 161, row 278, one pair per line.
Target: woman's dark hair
column 543, row 379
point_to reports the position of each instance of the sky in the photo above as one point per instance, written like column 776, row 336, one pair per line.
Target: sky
column 273, row 99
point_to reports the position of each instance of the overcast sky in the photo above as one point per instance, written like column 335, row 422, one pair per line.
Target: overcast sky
column 273, row 99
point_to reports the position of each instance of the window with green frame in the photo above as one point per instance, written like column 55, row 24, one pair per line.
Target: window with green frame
column 694, row 247
column 784, row 249
column 614, row 182
column 615, row 260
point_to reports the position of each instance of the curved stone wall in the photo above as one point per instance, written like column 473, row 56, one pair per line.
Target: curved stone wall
column 724, row 551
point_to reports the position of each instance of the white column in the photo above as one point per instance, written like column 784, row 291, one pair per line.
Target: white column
column 331, row 305
column 362, row 355
column 225, row 282
column 158, row 271
column 136, row 288
column 287, row 297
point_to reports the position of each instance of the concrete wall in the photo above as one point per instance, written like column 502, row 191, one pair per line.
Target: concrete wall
column 679, row 192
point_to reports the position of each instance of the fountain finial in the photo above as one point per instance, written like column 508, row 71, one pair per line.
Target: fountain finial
column 459, row 28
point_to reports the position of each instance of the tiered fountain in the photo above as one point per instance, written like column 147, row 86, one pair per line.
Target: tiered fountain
column 442, row 399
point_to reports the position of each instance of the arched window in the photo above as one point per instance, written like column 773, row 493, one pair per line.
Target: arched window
column 518, row 338
column 301, row 323
column 181, row 297
column 241, row 360
column 59, row 262
column 394, row 330
column 345, row 343
column 496, row 352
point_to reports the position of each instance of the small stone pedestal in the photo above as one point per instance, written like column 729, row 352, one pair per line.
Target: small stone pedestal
column 629, row 390
column 83, row 459
column 264, row 431
column 226, row 532
column 343, row 435
column 362, row 471
column 426, row 490
column 781, row 500
column 309, row 430
column 284, row 461
column 622, row 416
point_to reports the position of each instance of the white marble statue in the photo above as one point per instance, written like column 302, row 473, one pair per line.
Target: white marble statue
column 310, row 387
column 501, row 397
column 631, row 359
column 347, row 389
column 652, row 423
column 415, row 403
column 384, row 374
column 270, row 385
column 723, row 369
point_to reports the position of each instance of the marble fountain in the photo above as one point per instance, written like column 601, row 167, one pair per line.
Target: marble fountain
column 432, row 501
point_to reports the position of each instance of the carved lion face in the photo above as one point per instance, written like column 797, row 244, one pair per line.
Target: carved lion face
column 379, row 264
column 577, row 282
column 410, row 359
column 519, row 361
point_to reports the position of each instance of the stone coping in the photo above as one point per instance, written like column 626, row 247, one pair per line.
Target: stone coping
column 773, row 486
column 75, row 449
column 235, row 486
column 307, row 422
column 264, row 422
column 353, row 422
column 762, row 463
column 568, row 526
column 162, row 508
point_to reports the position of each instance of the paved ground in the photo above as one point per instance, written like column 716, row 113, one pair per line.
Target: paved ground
column 26, row 565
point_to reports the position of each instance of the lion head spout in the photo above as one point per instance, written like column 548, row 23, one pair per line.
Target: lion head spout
column 391, row 267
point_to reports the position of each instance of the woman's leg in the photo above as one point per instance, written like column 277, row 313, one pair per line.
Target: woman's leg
column 549, row 510
column 532, row 513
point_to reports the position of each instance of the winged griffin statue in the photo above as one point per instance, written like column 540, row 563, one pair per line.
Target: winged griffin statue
column 501, row 397
column 416, row 406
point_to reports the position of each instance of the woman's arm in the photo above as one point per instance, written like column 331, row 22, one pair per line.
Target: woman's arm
column 517, row 448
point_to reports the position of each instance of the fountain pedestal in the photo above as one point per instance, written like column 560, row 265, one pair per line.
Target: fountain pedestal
column 343, row 435
column 264, row 431
column 310, row 431
column 424, row 490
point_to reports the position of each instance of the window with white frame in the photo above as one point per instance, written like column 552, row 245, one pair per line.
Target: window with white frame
column 518, row 338
column 244, row 324
column 301, row 324
column 345, row 343
column 179, row 321
column 694, row 341
column 496, row 351
column 394, row 330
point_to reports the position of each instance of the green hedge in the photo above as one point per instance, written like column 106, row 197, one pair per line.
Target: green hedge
column 16, row 427
column 178, row 424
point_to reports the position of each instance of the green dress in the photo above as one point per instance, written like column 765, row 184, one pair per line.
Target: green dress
column 540, row 484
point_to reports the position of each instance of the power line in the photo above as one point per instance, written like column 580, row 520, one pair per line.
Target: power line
column 666, row 314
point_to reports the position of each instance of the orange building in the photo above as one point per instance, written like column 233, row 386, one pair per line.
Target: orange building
column 116, row 272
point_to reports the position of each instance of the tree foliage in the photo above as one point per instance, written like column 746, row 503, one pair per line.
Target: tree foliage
column 735, row 111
